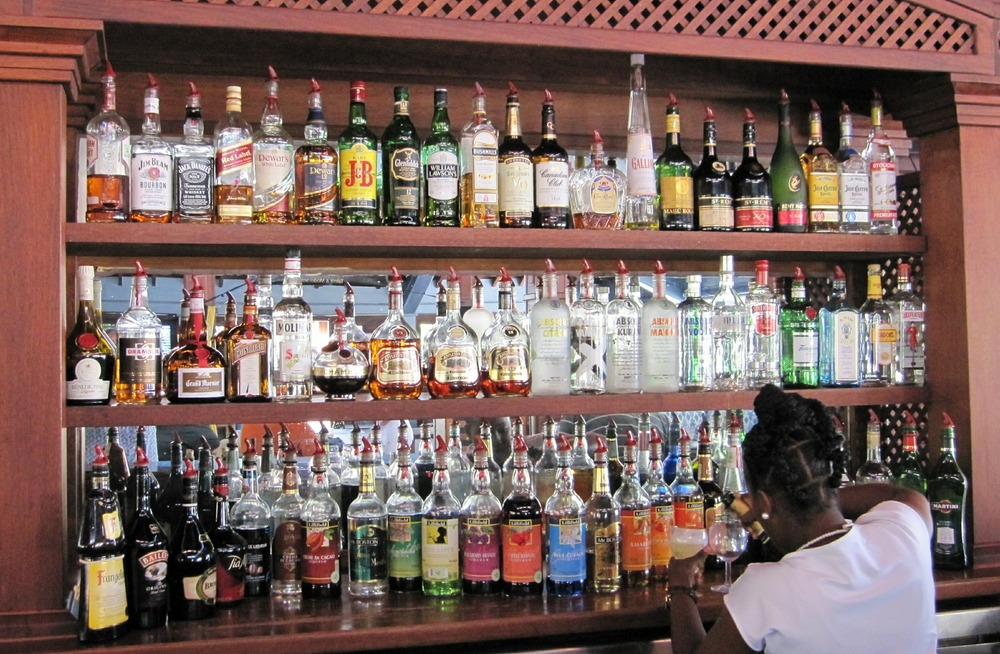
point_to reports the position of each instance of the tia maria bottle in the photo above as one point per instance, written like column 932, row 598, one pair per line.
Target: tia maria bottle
column 230, row 547
column 146, row 554
column 521, row 527
column 191, row 566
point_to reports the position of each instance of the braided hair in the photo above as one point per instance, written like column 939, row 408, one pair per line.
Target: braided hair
column 794, row 450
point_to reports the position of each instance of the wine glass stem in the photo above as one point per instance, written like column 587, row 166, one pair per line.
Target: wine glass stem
column 729, row 573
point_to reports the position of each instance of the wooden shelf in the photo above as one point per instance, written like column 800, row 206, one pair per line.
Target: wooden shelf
column 367, row 409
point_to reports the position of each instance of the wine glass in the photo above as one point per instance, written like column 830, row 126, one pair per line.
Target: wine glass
column 727, row 539
column 685, row 543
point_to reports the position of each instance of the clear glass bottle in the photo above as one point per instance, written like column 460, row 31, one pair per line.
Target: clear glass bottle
column 551, row 164
column 350, row 478
column 316, row 169
column 674, row 182
column 799, row 339
column 660, row 339
column 689, row 504
column 234, row 169
column 459, row 467
column 151, row 178
column 265, row 308
column 697, row 344
column 194, row 371
column 597, row 192
column 521, row 529
column 270, row 478
column 881, row 160
column 496, row 474
column 90, row 356
column 879, row 335
column 439, row 524
column 480, row 529
column 615, row 468
column 550, row 339
column 852, row 170
column 478, row 317
column 566, row 530
column 910, row 472
column 515, row 172
column 839, row 337
column 251, row 518
column 588, row 339
column 383, row 482
column 623, row 320
column 194, row 167
column 293, row 336
column 405, row 509
column 603, row 530
column 425, row 459
column 909, row 319
column 583, row 465
column 367, row 533
column 640, row 205
column 729, row 332
column 321, row 523
column 820, row 167
column 764, row 342
column 507, row 470
column 504, row 347
column 356, row 336
column 395, row 351
column 752, row 202
column 358, row 147
column 673, row 449
column 479, row 184
column 340, row 369
column 440, row 169
column 138, row 374
column 441, row 309
column 453, row 368
column 635, row 520
column 713, row 186
column 287, row 526
column 948, row 492
column 787, row 176
column 108, row 157
column 547, row 467
column 661, row 516
column 401, row 164
column 873, row 470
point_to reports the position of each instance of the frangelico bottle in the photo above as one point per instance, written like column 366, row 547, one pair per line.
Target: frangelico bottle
column 674, row 182
column 146, row 554
column 401, row 165
column 752, row 185
column 191, row 566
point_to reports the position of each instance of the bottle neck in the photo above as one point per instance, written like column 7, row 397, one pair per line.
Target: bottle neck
column 140, row 292
column 454, row 302
column 659, row 287
column 705, row 471
column 846, row 131
column 357, row 114
column 221, row 508
column 250, row 312
column 250, row 480
column 367, row 478
column 194, row 126
column 478, row 299
column 271, row 117
column 290, row 479
column 874, row 287
column 601, row 484
column 710, row 138
column 948, row 441
column 693, row 291
column 815, row 129
column 874, row 435
column 151, row 121
column 785, row 124
column 441, row 483
column 404, row 480
column 291, row 284
column 749, row 140
column 521, row 480
column 550, row 286
column 673, row 127
column 315, row 131
column 109, row 94
column 143, row 489
column 513, row 119
column 548, row 122
column 440, row 124
column 685, row 473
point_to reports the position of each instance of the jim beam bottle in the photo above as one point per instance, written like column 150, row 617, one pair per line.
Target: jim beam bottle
column 152, row 166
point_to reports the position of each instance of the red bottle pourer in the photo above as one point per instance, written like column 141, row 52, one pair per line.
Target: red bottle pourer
column 873, row 418
column 348, row 289
column 189, row 470
column 109, row 71
column 102, row 458
column 271, row 75
column 251, row 450
column 946, row 421
column 505, row 276
column 838, row 426
column 672, row 100
column 844, row 109
column 734, row 421
column 601, row 453
column 394, row 275
column 314, row 86
column 140, row 457
column 814, row 105
column 512, row 94
column 480, row 93
column 799, row 275
column 440, row 450
column 685, row 443
column 193, row 91
column 630, row 439
column 655, row 438
column 480, row 447
column 520, row 446
column 564, row 445
column 658, row 268
column 550, row 268
column 622, row 268
column 748, row 116
column 186, row 295
column 587, row 268
column 453, row 278
column 838, row 274
column 220, row 479
column 548, row 97
column 151, row 82
column 139, row 270
column 251, row 287
column 358, row 91
column 367, row 451
column 709, row 114
column 909, row 422
column 229, row 298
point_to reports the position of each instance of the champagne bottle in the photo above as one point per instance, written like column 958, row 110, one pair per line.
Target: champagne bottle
column 787, row 177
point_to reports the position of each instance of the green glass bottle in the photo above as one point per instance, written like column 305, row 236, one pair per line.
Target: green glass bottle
column 787, row 177
column 401, row 164
column 674, row 183
column 948, row 492
column 358, row 165
column 799, row 339
column 441, row 171
column 910, row 473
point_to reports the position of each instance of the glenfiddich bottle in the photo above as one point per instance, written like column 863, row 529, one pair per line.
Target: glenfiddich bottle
column 146, row 554
column 252, row 520
column 358, row 165
column 480, row 529
column 191, row 571
column 453, row 368
column 321, row 520
column 401, row 165
column 138, row 376
column 195, row 372
column 273, row 162
column 441, row 171
column 395, row 351
column 101, row 548
column 108, row 156
column 787, row 177
column 514, row 169
column 152, row 166
column 234, row 169
column 752, row 185
column 367, row 537
column 505, row 348
column 551, row 174
column 479, row 183
column 674, row 183
column 603, row 519
column 316, row 168
column 948, row 492
column 439, row 525
column 90, row 356
column 289, row 538
column 521, row 528
column 405, row 511
column 230, row 547
column 635, row 520
column 248, row 355
column 713, row 188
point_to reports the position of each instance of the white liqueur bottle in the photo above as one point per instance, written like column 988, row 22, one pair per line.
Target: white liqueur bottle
column 660, row 339
column 550, row 360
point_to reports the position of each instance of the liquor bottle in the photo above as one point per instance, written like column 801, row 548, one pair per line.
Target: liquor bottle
column 459, row 466
column 356, row 336
column 504, row 348
column 660, row 339
column 265, row 308
column 582, row 464
column 674, row 183
column 521, row 529
column 350, row 478
column 597, row 192
column 151, row 166
column 788, row 185
column 881, row 160
column 729, row 332
column 635, row 520
column 425, row 459
column 248, row 354
column 661, row 517
column 358, row 165
column 195, row 372
column 184, row 324
column 507, row 470
column 395, row 352
column 673, row 449
column 270, row 479
column 293, row 336
column 145, row 553
column 90, row 356
column 251, row 518
column 478, row 317
column 752, row 202
column 101, row 548
column 839, row 337
column 191, row 569
column 572, row 292
column 615, row 468
column 909, row 471
column 948, row 492
column 479, row 183
column 405, row 511
column 441, row 309
column 206, row 490
column 439, row 526
column 720, row 443
column 440, row 169
column 852, row 173
column 340, row 369
column 287, row 526
column 230, row 547
column 401, row 164
column 838, row 428
column 108, row 156
column 551, row 164
column 820, row 167
column 641, row 201
column 315, row 168
column 454, row 360
column 645, row 432
column 138, row 377
column 764, row 342
column 515, row 174
column 588, row 339
column 117, row 469
column 546, row 469
column 713, row 187
column 799, row 339
column 879, row 335
column 603, row 530
column 710, row 491
column 480, row 529
column 234, row 464
column 383, row 482
column 367, row 527
column 169, row 502
column 689, row 500
column 697, row 343
column 566, row 531
column 229, row 321
column 873, row 470
column 624, row 329
column 550, row 339
column 496, row 474
column 194, row 167
column 234, row 169
column 908, row 310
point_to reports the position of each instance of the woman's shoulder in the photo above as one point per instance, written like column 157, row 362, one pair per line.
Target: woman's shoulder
column 896, row 514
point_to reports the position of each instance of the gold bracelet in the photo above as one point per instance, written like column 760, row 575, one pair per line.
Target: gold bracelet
column 682, row 590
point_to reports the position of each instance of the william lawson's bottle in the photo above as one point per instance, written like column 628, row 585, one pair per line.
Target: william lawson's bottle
column 441, row 173
column 948, row 492
column 146, row 554
column 787, row 177
column 673, row 176
column 191, row 568
column 521, row 528
column 90, row 356
column 439, row 526
column 480, row 529
column 230, row 547
column 910, row 473
column 566, row 531
column 603, row 537
column 635, row 517
column 101, row 548
column 321, row 520
column 752, row 185
column 252, row 520
column 367, row 541
column 405, row 509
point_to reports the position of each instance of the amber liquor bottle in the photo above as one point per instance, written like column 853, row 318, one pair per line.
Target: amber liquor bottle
column 234, row 169
column 479, row 167
column 551, row 174
column 713, row 187
column 90, row 356
column 248, row 355
column 228, row 322
column 635, row 520
column 752, row 185
column 230, row 547
column 710, row 490
column 146, row 554
column 395, row 351
column 401, row 165
column 273, row 155
column 504, row 348
column 195, row 372
column 108, row 156
column 191, row 567
column 454, row 361
column 316, row 168
column 521, row 529
column 514, row 169
column 673, row 176
column 603, row 516
column 138, row 373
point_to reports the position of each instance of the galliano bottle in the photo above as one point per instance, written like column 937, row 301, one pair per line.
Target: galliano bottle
column 550, row 339
column 395, row 351
column 623, row 317
column 515, row 172
column 839, row 337
column 674, row 183
column 566, row 531
column 479, row 185
column 603, row 537
column 640, row 211
column 152, row 166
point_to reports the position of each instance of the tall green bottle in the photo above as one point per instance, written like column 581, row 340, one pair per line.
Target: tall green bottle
column 799, row 339
column 401, row 165
column 441, row 170
column 948, row 493
column 674, row 182
column 910, row 474
column 358, row 165
column 787, row 177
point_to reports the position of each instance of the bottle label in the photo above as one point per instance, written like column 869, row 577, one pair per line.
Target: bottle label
column 442, row 176
column 108, row 157
column 662, row 518
column 765, row 319
column 517, row 193
column 149, row 572
column 106, row 598
column 200, row 588
column 258, row 566
column 481, row 549
column 911, row 340
column 824, row 197
column 248, row 359
column 201, row 383
column 274, row 177
column 689, row 515
column 456, row 364
column 405, row 553
column 676, row 195
column 885, row 337
column 483, row 156
column 790, row 215
column 195, row 176
column 319, row 180
column 727, row 324
column 607, row 553
column 567, row 550
column 440, row 549
column 883, row 191
column 604, row 195
column 948, row 516
column 230, row 572
column 805, row 350
column 294, row 350
column 91, row 379
column 754, row 212
column 367, row 551
column 641, row 166
column 522, row 551
column 509, row 363
column 623, row 357
column 855, row 197
column 152, row 182
column 846, row 340
column 357, row 177
column 398, row 365
column 139, row 362
column 287, row 551
column 404, row 172
column 715, row 211
column 552, row 184
column 233, row 159
column 711, row 512
column 661, row 352
column 321, row 556
column 636, row 554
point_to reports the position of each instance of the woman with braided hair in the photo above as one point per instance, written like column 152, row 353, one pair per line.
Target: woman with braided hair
column 856, row 572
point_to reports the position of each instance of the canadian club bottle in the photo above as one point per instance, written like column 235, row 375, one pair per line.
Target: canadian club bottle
column 101, row 548
column 521, row 529
column 146, row 554
column 673, row 176
column 248, row 355
column 90, row 356
column 401, row 165
column 752, row 185
column 787, row 177
column 514, row 170
column 395, row 351
column 551, row 174
column 713, row 188
column 948, row 492
column 230, row 547
column 252, row 520
column 603, row 516
column 191, row 566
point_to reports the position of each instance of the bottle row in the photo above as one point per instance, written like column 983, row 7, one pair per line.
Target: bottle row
column 481, row 180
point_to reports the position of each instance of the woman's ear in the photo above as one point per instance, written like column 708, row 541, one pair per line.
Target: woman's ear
column 763, row 505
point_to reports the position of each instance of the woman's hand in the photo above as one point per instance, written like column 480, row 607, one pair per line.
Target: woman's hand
column 687, row 572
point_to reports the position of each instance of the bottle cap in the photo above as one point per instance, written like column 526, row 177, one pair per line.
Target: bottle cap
column 904, row 271
column 844, row 109
column 838, row 273
column 909, row 421
column 734, row 420
column 564, row 445
column 799, row 275
column 548, row 97
column 234, row 93
column 838, row 426
column 504, row 275
column 622, row 268
column 748, row 116
column 784, row 97
column 357, row 91
column 638, row 60
column 597, row 138
column 709, row 114
column 726, row 263
column 672, row 100
column 602, row 449
column 189, row 470
column 140, row 457
column 946, row 421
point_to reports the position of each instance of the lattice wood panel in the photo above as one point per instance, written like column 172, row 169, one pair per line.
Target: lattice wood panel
column 888, row 24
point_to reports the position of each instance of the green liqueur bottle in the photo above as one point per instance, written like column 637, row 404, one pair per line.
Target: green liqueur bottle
column 752, row 185
column 367, row 524
column 439, row 525
column 358, row 152
column 910, row 473
column 521, row 527
column 799, row 339
column 401, row 165
column 441, row 172
column 787, row 177
column 948, row 491
column 674, row 183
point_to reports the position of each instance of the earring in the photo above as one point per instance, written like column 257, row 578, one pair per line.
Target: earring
column 765, row 516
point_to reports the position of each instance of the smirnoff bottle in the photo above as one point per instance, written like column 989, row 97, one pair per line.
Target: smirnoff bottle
column 289, row 538
column 873, row 470
column 316, row 168
column 439, row 551
column 550, row 339
column 623, row 317
column 230, row 547
column 108, row 156
column 479, row 183
column 367, row 537
column 251, row 519
column 881, row 160
column 588, row 338
column 566, row 531
column 909, row 318
column 879, row 335
column 854, row 189
column 839, row 337
column 660, row 339
column 480, row 529
column 515, row 172
column 635, row 517
column 152, row 166
column 764, row 342
column 191, row 566
column 248, row 355
column 661, row 517
column 910, row 472
column 799, row 339
column 293, row 337
column 90, row 356
column 138, row 377
column 948, row 492
column 640, row 204
column 441, row 173
column 504, row 348
column 454, row 361
column 696, row 320
column 395, row 351
column 673, row 176
column 551, row 164
column 405, row 511
column 478, row 317
column 146, row 553
column 521, row 529
column 603, row 530
column 194, row 167
column 729, row 334
column 358, row 165
column 234, row 169
column 547, row 466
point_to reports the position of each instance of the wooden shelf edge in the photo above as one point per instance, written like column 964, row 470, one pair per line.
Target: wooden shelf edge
column 364, row 409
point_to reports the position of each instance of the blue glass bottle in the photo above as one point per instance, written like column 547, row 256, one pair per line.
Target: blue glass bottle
column 567, row 531
column 674, row 446
column 839, row 338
